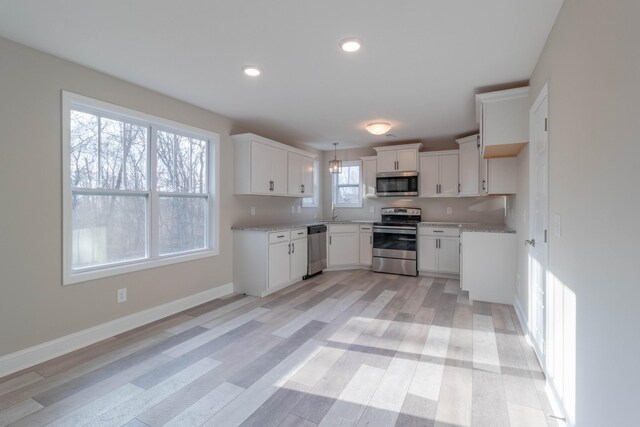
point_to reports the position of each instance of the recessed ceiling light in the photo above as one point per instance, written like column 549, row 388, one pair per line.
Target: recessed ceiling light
column 251, row 70
column 350, row 44
column 378, row 128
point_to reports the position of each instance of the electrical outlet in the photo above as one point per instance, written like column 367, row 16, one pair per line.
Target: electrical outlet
column 449, row 210
column 372, row 209
column 253, row 210
column 293, row 209
column 122, row 295
column 299, row 209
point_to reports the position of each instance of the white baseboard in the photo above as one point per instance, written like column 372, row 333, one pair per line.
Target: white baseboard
column 51, row 349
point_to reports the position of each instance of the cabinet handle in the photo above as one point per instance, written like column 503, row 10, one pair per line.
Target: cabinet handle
column 438, row 231
column 280, row 237
column 459, row 187
column 371, row 240
column 293, row 248
column 289, row 248
column 329, row 239
column 484, row 185
column 271, row 185
column 302, row 188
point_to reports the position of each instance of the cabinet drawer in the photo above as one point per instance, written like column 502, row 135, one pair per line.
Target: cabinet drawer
column 278, row 236
column 443, row 231
column 343, row 228
column 298, row 233
column 366, row 228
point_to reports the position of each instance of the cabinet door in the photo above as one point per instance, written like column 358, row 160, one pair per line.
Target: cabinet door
column 366, row 248
column 294, row 181
column 278, row 160
column 449, row 255
column 484, row 177
column 279, row 264
column 260, row 168
column 502, row 175
column 469, row 169
column 407, row 159
column 449, row 175
column 429, row 172
column 343, row 249
column 386, row 161
column 369, row 178
column 306, row 171
column 427, row 253
column 298, row 258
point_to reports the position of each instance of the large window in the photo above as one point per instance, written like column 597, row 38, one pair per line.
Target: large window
column 313, row 202
column 347, row 191
column 138, row 190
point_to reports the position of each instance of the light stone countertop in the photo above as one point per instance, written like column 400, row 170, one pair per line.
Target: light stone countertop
column 471, row 227
column 280, row 227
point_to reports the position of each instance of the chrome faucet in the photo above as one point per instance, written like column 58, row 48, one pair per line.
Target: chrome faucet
column 334, row 214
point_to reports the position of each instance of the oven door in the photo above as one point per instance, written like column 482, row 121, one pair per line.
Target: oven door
column 394, row 242
column 396, row 186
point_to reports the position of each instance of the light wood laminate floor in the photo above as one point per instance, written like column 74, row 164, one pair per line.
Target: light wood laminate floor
column 344, row 348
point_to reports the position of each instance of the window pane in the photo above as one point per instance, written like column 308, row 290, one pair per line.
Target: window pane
column 84, row 149
column 107, row 229
column 166, row 146
column 182, row 224
column 111, row 153
column 135, row 138
column 348, row 195
column 182, row 163
column 197, row 164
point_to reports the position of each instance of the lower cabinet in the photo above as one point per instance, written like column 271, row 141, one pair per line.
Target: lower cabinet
column 366, row 245
column 267, row 261
column 349, row 245
column 439, row 250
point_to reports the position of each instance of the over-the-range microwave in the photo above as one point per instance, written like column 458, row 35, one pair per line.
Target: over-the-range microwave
column 397, row 184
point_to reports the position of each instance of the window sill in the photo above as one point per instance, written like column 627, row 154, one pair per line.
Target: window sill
column 138, row 265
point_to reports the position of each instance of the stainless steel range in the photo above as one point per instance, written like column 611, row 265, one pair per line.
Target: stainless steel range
column 395, row 241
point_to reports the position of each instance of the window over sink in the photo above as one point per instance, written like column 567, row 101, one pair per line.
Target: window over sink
column 347, row 191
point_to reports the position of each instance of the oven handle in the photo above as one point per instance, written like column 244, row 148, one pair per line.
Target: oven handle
column 395, row 230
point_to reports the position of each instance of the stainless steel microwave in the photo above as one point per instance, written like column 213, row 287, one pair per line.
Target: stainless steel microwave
column 397, row 184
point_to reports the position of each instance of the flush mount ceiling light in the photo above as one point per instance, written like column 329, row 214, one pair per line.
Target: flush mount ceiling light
column 350, row 44
column 251, row 70
column 335, row 165
column 378, row 128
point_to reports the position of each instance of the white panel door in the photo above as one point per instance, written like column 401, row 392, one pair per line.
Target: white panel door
column 278, row 160
column 427, row 253
column 469, row 169
column 449, row 175
column 279, row 264
column 298, row 258
column 429, row 176
column 449, row 255
column 343, row 249
column 407, row 159
column 538, row 246
column 366, row 248
column 386, row 161
column 260, row 168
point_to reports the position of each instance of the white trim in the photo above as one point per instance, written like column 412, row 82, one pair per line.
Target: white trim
column 152, row 257
column 51, row 349
column 417, row 146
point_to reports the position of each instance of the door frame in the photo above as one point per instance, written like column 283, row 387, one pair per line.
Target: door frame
column 543, row 96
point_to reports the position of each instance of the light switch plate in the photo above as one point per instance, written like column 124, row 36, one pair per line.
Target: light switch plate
column 122, row 295
column 372, row 209
column 557, row 225
column 449, row 210
column 253, row 210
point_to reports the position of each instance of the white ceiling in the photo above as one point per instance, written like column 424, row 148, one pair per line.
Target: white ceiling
column 421, row 62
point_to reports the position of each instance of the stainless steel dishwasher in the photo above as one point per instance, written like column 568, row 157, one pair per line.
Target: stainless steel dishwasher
column 316, row 249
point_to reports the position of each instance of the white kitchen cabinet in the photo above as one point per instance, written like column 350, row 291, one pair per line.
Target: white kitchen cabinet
column 489, row 264
column 439, row 174
column 268, row 260
column 369, row 170
column 398, row 158
column 504, row 122
column 469, row 165
column 366, row 245
column 499, row 176
column 261, row 167
column 300, row 171
column 343, row 245
column 438, row 250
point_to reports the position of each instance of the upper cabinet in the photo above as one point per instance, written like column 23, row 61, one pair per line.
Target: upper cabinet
column 266, row 167
column 469, row 165
column 439, row 174
column 398, row 158
column 499, row 176
column 504, row 122
column 369, row 170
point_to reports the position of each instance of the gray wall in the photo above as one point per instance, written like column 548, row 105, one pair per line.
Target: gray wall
column 489, row 210
column 591, row 63
column 34, row 306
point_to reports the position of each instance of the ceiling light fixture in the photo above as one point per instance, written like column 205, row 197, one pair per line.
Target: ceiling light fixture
column 350, row 44
column 335, row 165
column 251, row 70
column 378, row 128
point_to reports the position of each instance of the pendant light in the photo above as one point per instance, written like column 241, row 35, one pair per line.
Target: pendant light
column 335, row 165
